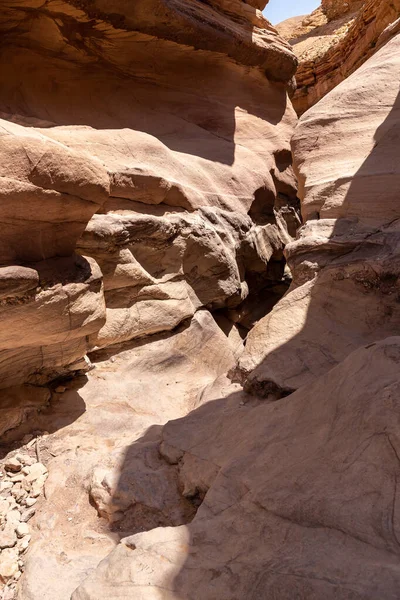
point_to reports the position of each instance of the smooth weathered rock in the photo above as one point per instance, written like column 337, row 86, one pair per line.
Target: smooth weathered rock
column 8, row 537
column 35, row 472
column 22, row 530
column 301, row 500
column 8, row 564
column 345, row 262
column 72, row 309
column 159, row 270
column 92, row 452
column 158, row 147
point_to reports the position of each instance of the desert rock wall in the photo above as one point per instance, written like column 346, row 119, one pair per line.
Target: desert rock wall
column 297, row 478
column 333, row 42
column 344, row 261
column 153, row 138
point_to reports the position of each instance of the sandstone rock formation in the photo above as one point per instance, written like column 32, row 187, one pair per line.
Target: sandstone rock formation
column 170, row 119
column 147, row 183
column 149, row 202
column 333, row 42
column 345, row 262
column 301, row 498
column 51, row 298
column 103, row 434
column 337, row 8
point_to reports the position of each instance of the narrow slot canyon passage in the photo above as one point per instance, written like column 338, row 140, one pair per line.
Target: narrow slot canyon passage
column 199, row 300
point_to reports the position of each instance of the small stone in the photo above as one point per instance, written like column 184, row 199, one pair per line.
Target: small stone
column 60, row 389
column 13, row 465
column 19, row 493
column 4, row 507
column 30, row 501
column 5, row 485
column 8, row 564
column 22, row 530
column 17, row 575
column 8, row 539
column 8, row 594
column 37, row 486
column 17, row 478
column 26, row 485
column 35, row 471
column 14, row 517
column 28, row 514
column 24, row 543
column 26, row 460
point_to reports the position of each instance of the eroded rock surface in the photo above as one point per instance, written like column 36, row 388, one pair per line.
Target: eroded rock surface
column 333, row 42
column 51, row 298
column 298, row 502
column 148, row 148
column 106, row 478
column 171, row 121
column 345, row 262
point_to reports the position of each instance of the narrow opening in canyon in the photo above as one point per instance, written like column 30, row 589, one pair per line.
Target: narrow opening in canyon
column 199, row 296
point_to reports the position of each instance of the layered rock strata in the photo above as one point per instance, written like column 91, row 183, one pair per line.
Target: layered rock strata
column 51, row 298
column 333, row 42
column 299, row 496
column 345, row 261
column 171, row 121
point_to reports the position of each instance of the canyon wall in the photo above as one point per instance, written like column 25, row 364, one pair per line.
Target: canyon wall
column 299, row 493
column 345, row 259
column 333, row 42
column 238, row 437
column 146, row 172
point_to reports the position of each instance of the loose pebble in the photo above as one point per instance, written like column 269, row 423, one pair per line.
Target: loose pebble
column 14, row 516
column 8, row 539
column 13, row 465
column 8, row 563
column 26, row 460
column 28, row 514
column 35, row 471
column 22, row 480
column 5, row 485
column 17, row 478
column 22, row 530
column 60, row 389
column 30, row 501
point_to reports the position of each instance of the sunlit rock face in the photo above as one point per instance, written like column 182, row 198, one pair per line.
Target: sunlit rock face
column 345, row 260
column 337, row 8
column 333, row 42
column 297, row 479
column 171, row 119
column 299, row 495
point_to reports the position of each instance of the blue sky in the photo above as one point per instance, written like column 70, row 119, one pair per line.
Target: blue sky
column 279, row 10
